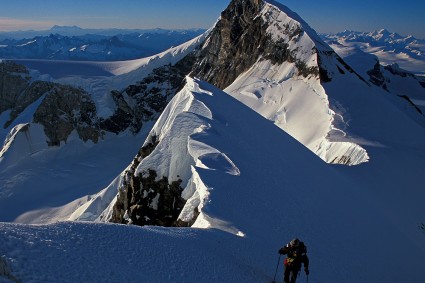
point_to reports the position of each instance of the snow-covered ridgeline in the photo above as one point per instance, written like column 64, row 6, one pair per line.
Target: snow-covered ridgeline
column 22, row 141
column 180, row 151
column 296, row 103
column 279, row 16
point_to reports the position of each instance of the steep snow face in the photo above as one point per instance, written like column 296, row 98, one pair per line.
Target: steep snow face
column 23, row 140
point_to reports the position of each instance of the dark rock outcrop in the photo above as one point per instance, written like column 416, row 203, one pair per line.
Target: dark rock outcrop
column 146, row 100
column 14, row 79
column 16, row 89
column 422, row 82
column 397, row 71
column 5, row 271
column 325, row 74
column 143, row 199
column 377, row 77
column 65, row 109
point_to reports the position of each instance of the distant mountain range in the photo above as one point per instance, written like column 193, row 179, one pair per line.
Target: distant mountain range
column 406, row 51
column 78, row 31
column 77, row 44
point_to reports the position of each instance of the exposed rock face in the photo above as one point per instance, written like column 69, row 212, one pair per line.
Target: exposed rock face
column 240, row 39
column 146, row 200
column 145, row 100
column 14, row 79
column 379, row 77
column 16, row 89
column 5, row 271
column 412, row 104
column 65, row 109
column 376, row 76
column 396, row 70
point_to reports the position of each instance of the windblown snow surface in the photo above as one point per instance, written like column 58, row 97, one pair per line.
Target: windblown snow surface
column 257, row 188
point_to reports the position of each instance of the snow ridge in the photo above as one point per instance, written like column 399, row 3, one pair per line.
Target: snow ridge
column 182, row 149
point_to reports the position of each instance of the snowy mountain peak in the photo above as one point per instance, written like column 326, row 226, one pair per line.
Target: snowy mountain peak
column 261, row 52
column 383, row 31
column 252, row 31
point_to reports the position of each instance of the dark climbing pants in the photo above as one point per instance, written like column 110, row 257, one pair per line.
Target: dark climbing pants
column 290, row 274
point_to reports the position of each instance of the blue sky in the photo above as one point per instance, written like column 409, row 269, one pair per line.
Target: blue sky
column 404, row 17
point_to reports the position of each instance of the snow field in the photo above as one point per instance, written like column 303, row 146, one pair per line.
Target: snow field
column 88, row 252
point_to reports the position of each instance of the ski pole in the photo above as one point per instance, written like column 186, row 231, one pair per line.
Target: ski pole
column 277, row 266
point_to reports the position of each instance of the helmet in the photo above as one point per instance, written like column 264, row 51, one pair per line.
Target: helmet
column 294, row 243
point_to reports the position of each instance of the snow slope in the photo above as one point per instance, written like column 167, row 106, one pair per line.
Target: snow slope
column 280, row 190
column 39, row 184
